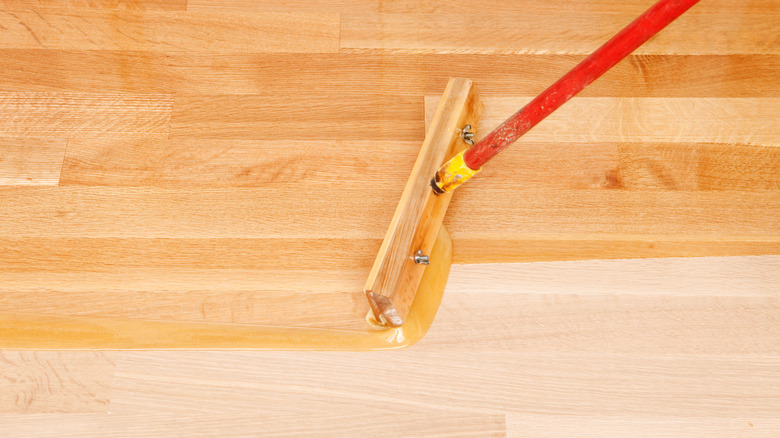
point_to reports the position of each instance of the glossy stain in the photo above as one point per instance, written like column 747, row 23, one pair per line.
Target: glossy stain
column 45, row 332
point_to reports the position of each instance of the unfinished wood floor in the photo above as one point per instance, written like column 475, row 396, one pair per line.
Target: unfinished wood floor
column 172, row 160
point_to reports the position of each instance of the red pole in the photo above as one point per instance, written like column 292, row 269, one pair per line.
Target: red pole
column 605, row 57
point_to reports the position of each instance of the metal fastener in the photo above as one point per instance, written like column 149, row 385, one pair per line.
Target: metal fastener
column 467, row 135
column 421, row 259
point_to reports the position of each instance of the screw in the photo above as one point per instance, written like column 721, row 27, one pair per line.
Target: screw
column 467, row 135
column 421, row 259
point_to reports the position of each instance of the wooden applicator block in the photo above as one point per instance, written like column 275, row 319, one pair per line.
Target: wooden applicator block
column 395, row 276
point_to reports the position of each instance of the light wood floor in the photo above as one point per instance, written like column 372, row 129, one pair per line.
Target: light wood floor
column 173, row 159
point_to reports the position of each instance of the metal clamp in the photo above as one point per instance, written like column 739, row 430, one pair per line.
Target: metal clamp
column 467, row 135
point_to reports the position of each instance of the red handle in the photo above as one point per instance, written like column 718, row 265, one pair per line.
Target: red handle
column 604, row 58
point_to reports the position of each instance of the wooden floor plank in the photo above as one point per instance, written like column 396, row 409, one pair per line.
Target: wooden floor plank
column 55, row 382
column 392, row 74
column 196, row 213
column 170, row 31
column 637, row 385
column 427, row 74
column 586, row 224
column 300, row 117
column 224, row 213
column 416, row 424
column 677, row 325
column 257, row 304
column 550, row 426
column 694, row 276
column 234, row 163
column 481, row 248
column 153, row 282
column 411, row 422
column 700, row 166
column 670, row 120
column 492, row 223
column 363, row 6
column 637, row 166
column 117, row 71
column 163, row 5
column 287, row 282
column 31, row 161
column 475, row 7
column 37, row 114
column 620, row 212
column 383, row 117
column 560, row 32
column 94, row 255
column 628, row 7
column 212, row 163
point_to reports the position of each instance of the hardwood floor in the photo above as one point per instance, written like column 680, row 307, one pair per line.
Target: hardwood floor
column 617, row 271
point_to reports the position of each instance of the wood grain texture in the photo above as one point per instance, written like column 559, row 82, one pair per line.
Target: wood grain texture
column 169, row 31
column 536, row 225
column 45, row 331
column 671, row 120
column 545, row 426
column 644, row 325
column 637, row 166
column 44, row 70
column 64, row 114
column 403, row 424
column 166, row 5
column 700, row 166
column 200, row 162
column 193, row 213
column 699, row 276
column 612, row 224
column 231, row 281
column 224, row 215
column 560, row 32
column 666, row 381
column 406, row 423
column 31, row 161
column 248, row 302
column 628, row 7
column 51, row 382
column 633, row 386
column 368, row 6
column 388, row 74
column 300, row 117
column 600, row 165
